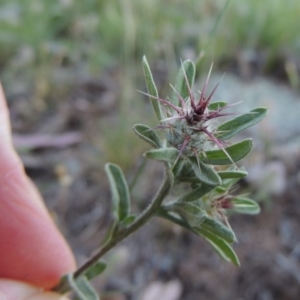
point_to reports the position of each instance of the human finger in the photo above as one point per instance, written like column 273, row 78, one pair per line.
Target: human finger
column 32, row 249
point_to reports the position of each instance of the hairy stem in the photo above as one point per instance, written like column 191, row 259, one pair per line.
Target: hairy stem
column 125, row 232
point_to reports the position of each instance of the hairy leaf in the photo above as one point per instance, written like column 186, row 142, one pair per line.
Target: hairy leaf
column 163, row 154
column 234, row 126
column 192, row 213
column 180, row 83
column 178, row 168
column 245, row 206
column 220, row 245
column 186, row 170
column 216, row 105
column 237, row 152
column 232, row 174
column 228, row 183
column 82, row 288
column 196, row 194
column 152, row 90
column 219, row 190
column 219, row 229
column 119, row 190
column 147, row 134
column 95, row 270
column 128, row 220
column 205, row 173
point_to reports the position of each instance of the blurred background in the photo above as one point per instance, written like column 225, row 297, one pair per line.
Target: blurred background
column 70, row 70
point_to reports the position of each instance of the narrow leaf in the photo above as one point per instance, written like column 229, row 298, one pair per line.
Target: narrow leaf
column 128, row 220
column 228, row 183
column 152, row 90
column 220, row 245
column 234, row 126
column 196, row 194
column 245, row 206
column 219, row 190
column 147, row 134
column 178, row 168
column 237, row 152
column 180, row 84
column 82, row 288
column 216, row 105
column 112, row 229
column 163, row 154
column 205, row 173
column 219, row 229
column 95, row 270
column 119, row 190
column 186, row 169
column 190, row 180
column 223, row 175
column 193, row 214
column 63, row 285
column 233, row 174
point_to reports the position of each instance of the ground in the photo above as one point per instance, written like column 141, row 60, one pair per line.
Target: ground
column 66, row 163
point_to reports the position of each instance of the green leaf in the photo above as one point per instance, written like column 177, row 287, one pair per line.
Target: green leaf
column 119, row 190
column 186, row 169
column 95, row 270
column 63, row 285
column 228, row 183
column 220, row 245
column 178, row 167
column 233, row 174
column 216, row 105
column 234, row 126
column 128, row 220
column 147, row 134
column 219, row 229
column 245, row 206
column 223, row 175
column 152, row 90
column 219, row 190
column 205, row 173
column 190, row 212
column 82, row 288
column 237, row 152
column 190, row 180
column 196, row 194
column 187, row 173
column 112, row 229
column 188, row 67
column 163, row 154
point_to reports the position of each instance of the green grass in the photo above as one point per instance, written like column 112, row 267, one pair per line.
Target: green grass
column 94, row 35
column 102, row 33
column 46, row 44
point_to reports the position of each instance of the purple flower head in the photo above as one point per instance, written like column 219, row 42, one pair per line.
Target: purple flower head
column 191, row 126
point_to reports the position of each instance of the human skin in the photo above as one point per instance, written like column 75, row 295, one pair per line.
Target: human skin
column 33, row 253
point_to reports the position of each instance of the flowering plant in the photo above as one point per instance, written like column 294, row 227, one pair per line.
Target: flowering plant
column 195, row 150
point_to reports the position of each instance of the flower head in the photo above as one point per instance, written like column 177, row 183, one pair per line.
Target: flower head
column 191, row 126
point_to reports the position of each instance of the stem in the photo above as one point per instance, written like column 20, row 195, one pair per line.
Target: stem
column 124, row 233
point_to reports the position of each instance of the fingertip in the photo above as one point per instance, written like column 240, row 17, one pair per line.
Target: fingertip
column 32, row 248
column 13, row 289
